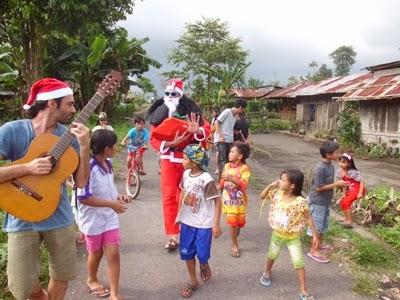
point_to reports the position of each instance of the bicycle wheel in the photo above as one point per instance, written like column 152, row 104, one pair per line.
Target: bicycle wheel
column 132, row 184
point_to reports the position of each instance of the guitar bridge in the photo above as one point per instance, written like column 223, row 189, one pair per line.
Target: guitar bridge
column 26, row 189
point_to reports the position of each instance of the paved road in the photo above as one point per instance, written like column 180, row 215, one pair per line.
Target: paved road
column 149, row 272
column 288, row 151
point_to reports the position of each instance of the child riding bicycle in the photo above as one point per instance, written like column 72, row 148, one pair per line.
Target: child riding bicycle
column 136, row 139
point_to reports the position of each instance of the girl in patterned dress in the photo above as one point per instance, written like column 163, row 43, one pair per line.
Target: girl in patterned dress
column 353, row 191
column 288, row 215
column 234, row 180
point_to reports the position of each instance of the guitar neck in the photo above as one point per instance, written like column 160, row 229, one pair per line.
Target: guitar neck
column 67, row 138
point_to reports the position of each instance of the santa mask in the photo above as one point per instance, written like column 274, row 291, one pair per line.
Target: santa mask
column 173, row 93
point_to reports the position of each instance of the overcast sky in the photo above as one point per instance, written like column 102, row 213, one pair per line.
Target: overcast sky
column 282, row 36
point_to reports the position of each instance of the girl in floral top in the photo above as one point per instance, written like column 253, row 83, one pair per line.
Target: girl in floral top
column 288, row 215
column 234, row 180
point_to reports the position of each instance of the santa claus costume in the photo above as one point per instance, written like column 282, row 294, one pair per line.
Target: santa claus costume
column 176, row 122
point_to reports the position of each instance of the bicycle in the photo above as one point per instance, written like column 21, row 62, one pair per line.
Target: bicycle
column 133, row 181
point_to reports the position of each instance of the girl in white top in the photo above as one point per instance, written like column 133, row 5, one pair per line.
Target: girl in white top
column 99, row 206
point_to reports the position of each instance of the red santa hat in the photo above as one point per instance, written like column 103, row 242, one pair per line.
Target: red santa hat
column 47, row 89
column 175, row 85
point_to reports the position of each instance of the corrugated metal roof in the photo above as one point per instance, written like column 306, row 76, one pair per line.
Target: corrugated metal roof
column 290, row 91
column 391, row 65
column 385, row 87
column 335, row 85
column 252, row 93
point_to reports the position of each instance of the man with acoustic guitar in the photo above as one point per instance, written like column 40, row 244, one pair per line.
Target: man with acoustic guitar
column 50, row 104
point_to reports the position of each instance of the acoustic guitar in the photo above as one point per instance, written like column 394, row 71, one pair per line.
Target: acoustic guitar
column 34, row 198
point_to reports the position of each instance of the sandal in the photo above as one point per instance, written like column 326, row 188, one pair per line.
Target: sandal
column 321, row 259
column 188, row 291
column 347, row 225
column 235, row 253
column 265, row 280
column 171, row 245
column 100, row 291
column 306, row 297
column 205, row 272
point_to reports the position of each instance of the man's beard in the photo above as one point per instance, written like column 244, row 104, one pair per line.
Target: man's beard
column 172, row 104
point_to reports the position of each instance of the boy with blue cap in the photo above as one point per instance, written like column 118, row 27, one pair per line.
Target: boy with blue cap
column 199, row 216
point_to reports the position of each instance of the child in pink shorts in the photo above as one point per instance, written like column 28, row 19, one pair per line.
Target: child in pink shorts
column 99, row 205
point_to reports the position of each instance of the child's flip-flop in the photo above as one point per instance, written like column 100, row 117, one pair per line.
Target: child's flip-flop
column 347, row 225
column 235, row 253
column 188, row 291
column 99, row 291
column 172, row 245
column 321, row 259
column 265, row 280
column 306, row 297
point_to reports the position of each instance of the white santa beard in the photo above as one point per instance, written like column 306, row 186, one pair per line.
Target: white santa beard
column 171, row 103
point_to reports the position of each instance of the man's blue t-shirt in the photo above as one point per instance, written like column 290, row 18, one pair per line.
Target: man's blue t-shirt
column 15, row 138
column 137, row 139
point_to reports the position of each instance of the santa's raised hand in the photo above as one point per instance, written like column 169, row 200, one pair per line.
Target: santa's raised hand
column 193, row 123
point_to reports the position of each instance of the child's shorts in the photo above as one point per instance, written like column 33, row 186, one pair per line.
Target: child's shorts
column 293, row 245
column 320, row 215
column 236, row 220
column 139, row 152
column 195, row 241
column 96, row 242
column 349, row 198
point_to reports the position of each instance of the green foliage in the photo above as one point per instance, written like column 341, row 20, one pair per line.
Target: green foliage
column 371, row 255
column 65, row 45
column 343, row 58
column 366, row 284
column 377, row 151
column 323, row 134
column 349, row 125
column 265, row 125
column 390, row 235
column 363, row 257
column 255, row 106
column 319, row 74
column 207, row 50
column 254, row 83
column 292, row 80
column 10, row 109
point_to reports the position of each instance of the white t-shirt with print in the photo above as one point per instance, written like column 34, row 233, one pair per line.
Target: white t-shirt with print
column 198, row 206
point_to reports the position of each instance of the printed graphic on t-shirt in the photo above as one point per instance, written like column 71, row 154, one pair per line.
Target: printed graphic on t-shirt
column 194, row 195
column 235, row 195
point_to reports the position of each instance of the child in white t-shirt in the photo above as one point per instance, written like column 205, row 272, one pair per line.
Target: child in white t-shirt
column 99, row 205
column 199, row 215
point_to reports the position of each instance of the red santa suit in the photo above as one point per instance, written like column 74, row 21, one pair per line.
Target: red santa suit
column 167, row 116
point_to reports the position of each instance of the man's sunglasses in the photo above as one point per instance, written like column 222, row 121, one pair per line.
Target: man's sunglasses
column 172, row 94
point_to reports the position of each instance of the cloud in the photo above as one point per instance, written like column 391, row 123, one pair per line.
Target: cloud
column 282, row 37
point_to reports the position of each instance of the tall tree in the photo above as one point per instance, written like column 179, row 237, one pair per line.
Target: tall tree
column 26, row 26
column 319, row 74
column 206, row 44
column 292, row 80
column 343, row 58
column 254, row 83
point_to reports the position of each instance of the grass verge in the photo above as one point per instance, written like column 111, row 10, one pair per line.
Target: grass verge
column 365, row 259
